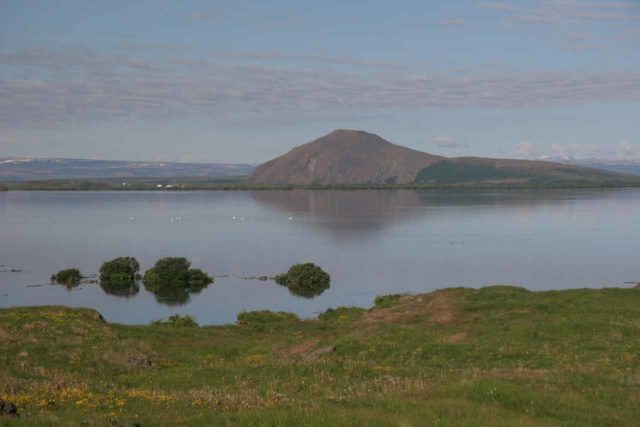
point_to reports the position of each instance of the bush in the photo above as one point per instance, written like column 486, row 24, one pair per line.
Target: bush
column 118, row 276
column 306, row 280
column 172, row 280
column 171, row 273
column 265, row 316
column 120, row 271
column 386, row 301
column 342, row 314
column 177, row 321
column 69, row 277
column 198, row 279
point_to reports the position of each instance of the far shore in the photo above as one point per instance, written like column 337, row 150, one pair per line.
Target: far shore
column 238, row 184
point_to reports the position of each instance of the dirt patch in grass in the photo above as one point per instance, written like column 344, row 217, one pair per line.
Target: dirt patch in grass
column 306, row 351
column 437, row 307
column 297, row 350
column 455, row 339
column 521, row 373
column 38, row 325
column 310, row 357
column 134, row 358
column 442, row 310
column 138, row 361
column 7, row 339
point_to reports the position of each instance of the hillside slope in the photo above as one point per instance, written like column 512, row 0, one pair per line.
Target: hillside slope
column 464, row 170
column 631, row 167
column 345, row 157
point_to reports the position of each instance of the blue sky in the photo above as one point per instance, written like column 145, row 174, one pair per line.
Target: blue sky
column 244, row 81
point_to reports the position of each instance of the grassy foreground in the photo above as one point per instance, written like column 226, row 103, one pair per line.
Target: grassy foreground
column 494, row 356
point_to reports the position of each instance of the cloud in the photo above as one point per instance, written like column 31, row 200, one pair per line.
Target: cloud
column 39, row 87
column 563, row 11
column 526, row 150
column 496, row 6
column 280, row 56
column 456, row 22
column 447, row 142
column 627, row 148
column 70, row 61
column 576, row 24
column 573, row 151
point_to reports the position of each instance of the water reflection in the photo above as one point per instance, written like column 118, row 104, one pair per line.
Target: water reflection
column 345, row 215
column 306, row 292
column 173, row 297
column 121, row 288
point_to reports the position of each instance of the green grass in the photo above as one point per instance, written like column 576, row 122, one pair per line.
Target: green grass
column 470, row 170
column 495, row 356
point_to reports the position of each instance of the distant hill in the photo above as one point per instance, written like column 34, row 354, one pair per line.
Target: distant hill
column 23, row 169
column 622, row 166
column 357, row 157
column 345, row 156
column 463, row 170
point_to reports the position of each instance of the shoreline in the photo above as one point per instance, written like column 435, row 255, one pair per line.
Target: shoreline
column 168, row 187
column 372, row 306
column 316, row 314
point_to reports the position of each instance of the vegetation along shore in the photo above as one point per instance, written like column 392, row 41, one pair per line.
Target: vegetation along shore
column 239, row 185
column 498, row 355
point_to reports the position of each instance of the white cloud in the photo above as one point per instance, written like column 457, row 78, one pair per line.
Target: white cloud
column 572, row 151
column 447, row 142
column 53, row 87
column 563, row 11
column 627, row 149
column 280, row 56
column 525, row 150
column 496, row 6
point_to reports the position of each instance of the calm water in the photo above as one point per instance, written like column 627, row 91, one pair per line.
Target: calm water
column 372, row 243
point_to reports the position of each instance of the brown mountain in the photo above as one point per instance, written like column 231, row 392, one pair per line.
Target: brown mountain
column 345, row 157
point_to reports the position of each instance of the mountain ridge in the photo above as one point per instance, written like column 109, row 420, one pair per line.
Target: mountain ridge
column 31, row 169
column 358, row 157
column 484, row 170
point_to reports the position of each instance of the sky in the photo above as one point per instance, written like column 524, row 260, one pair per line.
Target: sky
column 245, row 81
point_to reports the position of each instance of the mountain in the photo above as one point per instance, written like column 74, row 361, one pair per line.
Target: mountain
column 345, row 156
column 24, row 169
column 357, row 157
column 463, row 170
column 623, row 166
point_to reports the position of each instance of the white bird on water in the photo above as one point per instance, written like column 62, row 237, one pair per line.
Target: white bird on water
column 290, row 218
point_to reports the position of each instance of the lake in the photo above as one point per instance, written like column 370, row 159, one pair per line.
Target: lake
column 371, row 242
